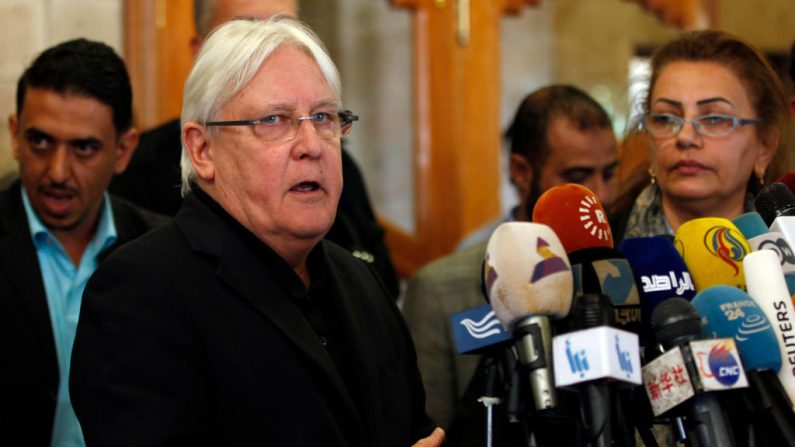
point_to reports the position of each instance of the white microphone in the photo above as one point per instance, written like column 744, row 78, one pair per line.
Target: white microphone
column 766, row 285
column 528, row 278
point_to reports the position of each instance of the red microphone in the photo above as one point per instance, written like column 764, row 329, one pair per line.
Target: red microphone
column 576, row 215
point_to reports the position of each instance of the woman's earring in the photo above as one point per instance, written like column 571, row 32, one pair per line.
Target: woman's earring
column 761, row 177
column 652, row 177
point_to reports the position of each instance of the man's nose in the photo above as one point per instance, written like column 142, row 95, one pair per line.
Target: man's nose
column 60, row 164
column 603, row 189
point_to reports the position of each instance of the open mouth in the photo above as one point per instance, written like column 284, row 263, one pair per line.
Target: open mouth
column 306, row 187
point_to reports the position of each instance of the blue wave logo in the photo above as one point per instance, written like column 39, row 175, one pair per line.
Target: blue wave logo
column 752, row 324
column 485, row 327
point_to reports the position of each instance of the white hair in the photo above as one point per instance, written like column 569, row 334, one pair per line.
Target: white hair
column 231, row 57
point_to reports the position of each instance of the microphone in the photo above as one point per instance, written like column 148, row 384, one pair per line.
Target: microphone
column 776, row 204
column 766, row 285
column 773, row 201
column 680, row 378
column 575, row 214
column 730, row 312
column 713, row 250
column 753, row 228
column 588, row 357
column 659, row 271
column 527, row 278
column 756, row 233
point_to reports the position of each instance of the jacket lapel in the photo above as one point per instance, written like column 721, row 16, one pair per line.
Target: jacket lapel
column 20, row 265
column 241, row 269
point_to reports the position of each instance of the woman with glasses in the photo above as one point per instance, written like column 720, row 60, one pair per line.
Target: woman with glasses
column 715, row 120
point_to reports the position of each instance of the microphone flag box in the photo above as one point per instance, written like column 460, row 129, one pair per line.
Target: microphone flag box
column 476, row 329
column 596, row 353
column 667, row 381
column 719, row 365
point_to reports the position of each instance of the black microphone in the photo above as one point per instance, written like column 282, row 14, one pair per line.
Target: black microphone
column 676, row 323
column 773, row 201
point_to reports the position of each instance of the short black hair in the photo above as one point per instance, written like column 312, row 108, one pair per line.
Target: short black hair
column 85, row 68
column 528, row 132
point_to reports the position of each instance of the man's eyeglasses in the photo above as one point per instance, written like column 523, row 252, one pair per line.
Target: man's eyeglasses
column 282, row 127
column 714, row 125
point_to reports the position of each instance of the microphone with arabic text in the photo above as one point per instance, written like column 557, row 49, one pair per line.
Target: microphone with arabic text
column 528, row 279
column 575, row 214
column 767, row 287
column 659, row 272
column 727, row 312
column 713, row 250
column 680, row 382
column 592, row 359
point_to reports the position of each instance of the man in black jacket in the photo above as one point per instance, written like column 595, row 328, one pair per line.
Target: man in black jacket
column 152, row 180
column 238, row 324
column 71, row 133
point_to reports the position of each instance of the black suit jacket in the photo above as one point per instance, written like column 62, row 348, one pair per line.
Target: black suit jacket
column 29, row 373
column 153, row 178
column 185, row 339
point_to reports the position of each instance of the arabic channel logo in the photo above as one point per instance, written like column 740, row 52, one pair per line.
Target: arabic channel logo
column 624, row 359
column 727, row 246
column 485, row 327
column 593, row 218
column 577, row 360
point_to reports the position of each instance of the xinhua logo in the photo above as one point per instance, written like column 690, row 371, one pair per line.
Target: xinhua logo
column 577, row 360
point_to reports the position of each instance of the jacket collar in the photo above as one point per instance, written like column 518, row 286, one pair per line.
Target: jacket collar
column 209, row 233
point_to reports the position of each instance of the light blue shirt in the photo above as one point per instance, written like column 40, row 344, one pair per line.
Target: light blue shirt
column 64, row 283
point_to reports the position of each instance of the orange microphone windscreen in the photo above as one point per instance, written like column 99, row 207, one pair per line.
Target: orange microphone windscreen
column 576, row 215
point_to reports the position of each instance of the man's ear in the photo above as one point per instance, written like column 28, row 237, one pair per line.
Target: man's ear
column 198, row 145
column 124, row 150
column 13, row 128
column 521, row 174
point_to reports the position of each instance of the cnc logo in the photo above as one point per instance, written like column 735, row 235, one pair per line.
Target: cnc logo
column 551, row 263
column 593, row 218
column 722, row 365
column 726, row 245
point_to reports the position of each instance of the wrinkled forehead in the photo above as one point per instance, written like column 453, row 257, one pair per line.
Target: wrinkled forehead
column 288, row 80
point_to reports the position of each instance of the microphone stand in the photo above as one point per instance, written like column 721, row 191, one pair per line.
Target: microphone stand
column 490, row 398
